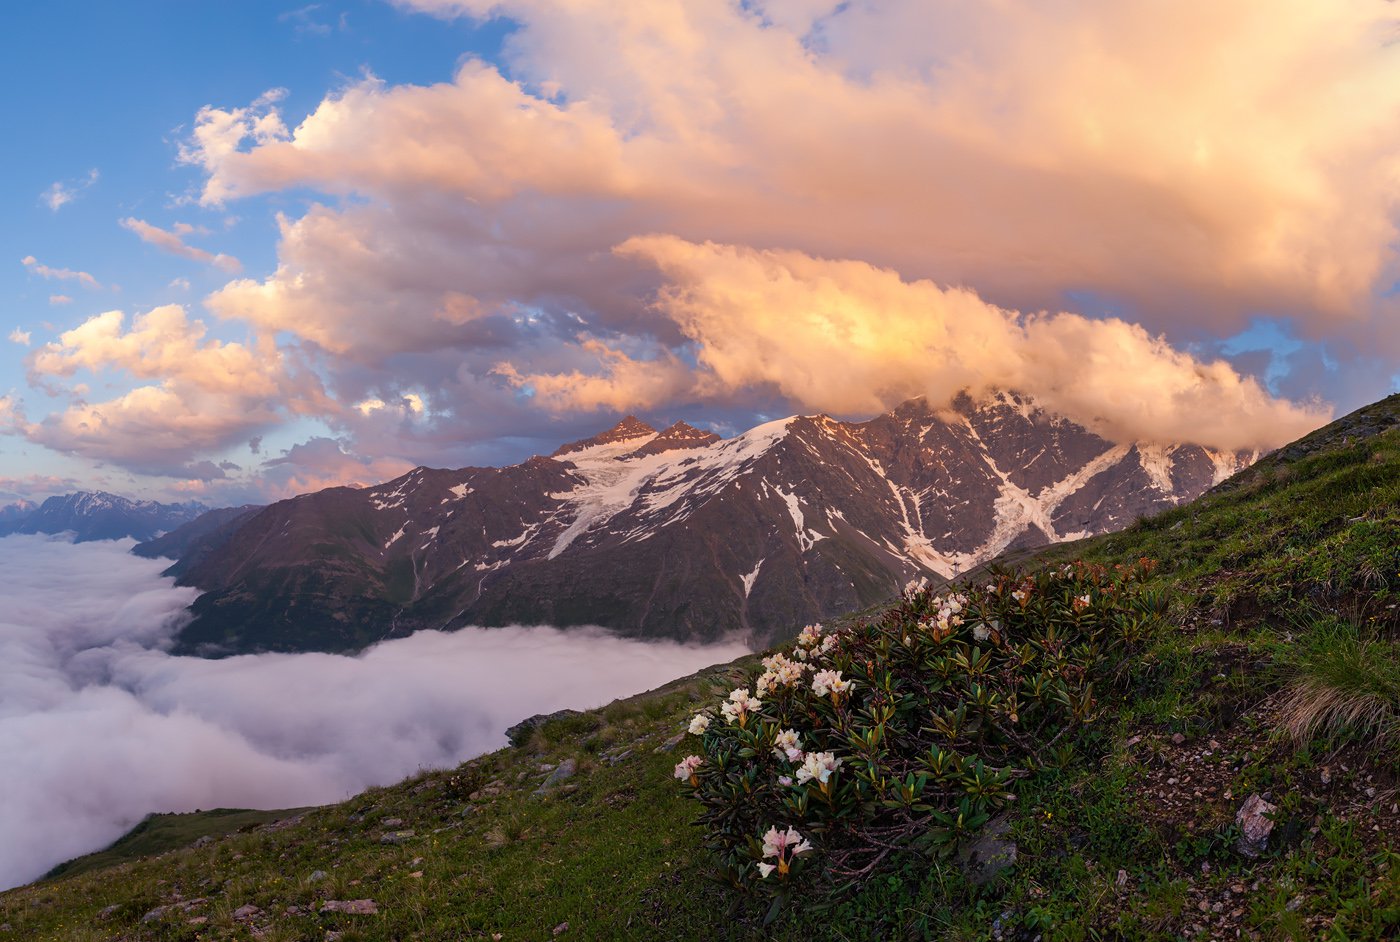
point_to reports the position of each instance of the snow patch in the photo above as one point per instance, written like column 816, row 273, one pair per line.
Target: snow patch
column 751, row 577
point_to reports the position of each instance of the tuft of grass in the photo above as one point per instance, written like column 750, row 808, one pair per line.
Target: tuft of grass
column 1343, row 684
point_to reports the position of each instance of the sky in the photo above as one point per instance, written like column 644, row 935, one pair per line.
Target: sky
column 254, row 249
column 100, row 727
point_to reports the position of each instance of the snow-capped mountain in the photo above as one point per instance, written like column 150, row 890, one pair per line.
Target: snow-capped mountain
column 97, row 515
column 677, row 533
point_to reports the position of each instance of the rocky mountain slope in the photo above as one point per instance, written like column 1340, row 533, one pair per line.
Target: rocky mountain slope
column 97, row 515
column 677, row 533
column 190, row 542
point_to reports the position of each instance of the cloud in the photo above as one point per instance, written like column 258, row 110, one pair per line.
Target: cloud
column 99, row 727
column 60, row 194
column 209, row 394
column 323, row 462
column 20, row 337
column 850, row 338
column 174, row 243
column 57, row 299
column 61, row 274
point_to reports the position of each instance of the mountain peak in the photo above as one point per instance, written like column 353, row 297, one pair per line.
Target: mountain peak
column 678, row 436
column 628, row 429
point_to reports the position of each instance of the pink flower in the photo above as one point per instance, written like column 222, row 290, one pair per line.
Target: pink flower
column 686, row 768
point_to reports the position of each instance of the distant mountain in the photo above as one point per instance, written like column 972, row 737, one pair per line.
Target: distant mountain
column 191, row 542
column 11, row 515
column 679, row 534
column 97, row 515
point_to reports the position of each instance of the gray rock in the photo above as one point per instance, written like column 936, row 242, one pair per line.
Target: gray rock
column 1255, row 826
column 154, row 914
column 247, row 911
column 519, row 734
column 107, row 912
column 316, row 875
column 355, row 907
column 671, row 743
column 565, row 770
column 392, row 822
column 989, row 855
column 396, row 837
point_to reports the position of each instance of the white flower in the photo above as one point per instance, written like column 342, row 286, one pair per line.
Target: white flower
column 784, row 780
column 699, row 723
column 830, row 682
column 685, row 769
column 1020, row 596
column 779, row 843
column 788, row 744
column 810, row 635
column 981, row 632
column 764, row 869
column 917, row 584
column 740, row 705
column 819, row 766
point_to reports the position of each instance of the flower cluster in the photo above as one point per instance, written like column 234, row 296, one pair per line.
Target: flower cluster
column 779, row 671
column 782, row 846
column 687, row 768
column 908, row 730
column 739, row 705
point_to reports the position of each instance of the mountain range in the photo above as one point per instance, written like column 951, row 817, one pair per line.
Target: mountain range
column 97, row 515
column 676, row 533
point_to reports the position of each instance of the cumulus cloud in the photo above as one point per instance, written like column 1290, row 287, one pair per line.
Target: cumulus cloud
column 209, row 395
column 61, row 274
column 99, row 727
column 850, row 338
column 324, row 462
column 20, row 337
column 173, row 241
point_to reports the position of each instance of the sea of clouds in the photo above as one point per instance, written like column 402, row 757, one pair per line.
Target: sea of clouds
column 99, row 726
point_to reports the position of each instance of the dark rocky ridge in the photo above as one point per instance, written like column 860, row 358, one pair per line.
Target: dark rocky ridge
column 679, row 534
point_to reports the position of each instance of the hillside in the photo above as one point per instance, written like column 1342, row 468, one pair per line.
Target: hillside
column 1278, row 593
column 677, row 533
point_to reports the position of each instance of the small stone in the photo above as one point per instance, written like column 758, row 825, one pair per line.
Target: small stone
column 198, row 920
column 562, row 928
column 565, row 770
column 1171, row 781
column 417, row 874
column 316, row 875
column 246, row 911
column 1178, row 739
column 671, row 743
column 397, row 837
column 990, row 854
column 355, row 907
column 1214, row 744
column 1133, row 740
column 1326, row 776
column 1255, row 825
column 154, row 914
column 391, row 822
column 107, row 912
column 1122, row 880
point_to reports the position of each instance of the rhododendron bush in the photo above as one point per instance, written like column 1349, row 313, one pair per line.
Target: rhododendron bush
column 908, row 731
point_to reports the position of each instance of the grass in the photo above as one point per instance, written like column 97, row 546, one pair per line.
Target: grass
column 1343, row 685
column 1135, row 840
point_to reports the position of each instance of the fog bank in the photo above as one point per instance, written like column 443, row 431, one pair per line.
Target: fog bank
column 99, row 726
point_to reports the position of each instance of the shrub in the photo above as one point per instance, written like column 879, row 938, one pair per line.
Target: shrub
column 906, row 732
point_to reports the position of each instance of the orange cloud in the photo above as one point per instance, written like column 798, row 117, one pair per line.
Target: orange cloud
column 174, row 243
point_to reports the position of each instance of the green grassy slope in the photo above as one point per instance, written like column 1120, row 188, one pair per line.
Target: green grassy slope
column 1273, row 578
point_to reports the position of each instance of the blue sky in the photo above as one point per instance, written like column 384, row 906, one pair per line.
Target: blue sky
column 464, row 231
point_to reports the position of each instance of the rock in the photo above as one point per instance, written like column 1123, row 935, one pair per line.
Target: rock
column 154, row 914
column 397, row 837
column 562, row 928
column 519, row 734
column 316, row 875
column 198, row 920
column 391, row 822
column 1122, row 880
column 564, row 771
column 204, row 841
column 1326, row 776
column 1178, row 739
column 1255, row 825
column 671, row 743
column 355, row 907
column 989, row 855
column 613, row 758
column 107, row 912
column 247, row 911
